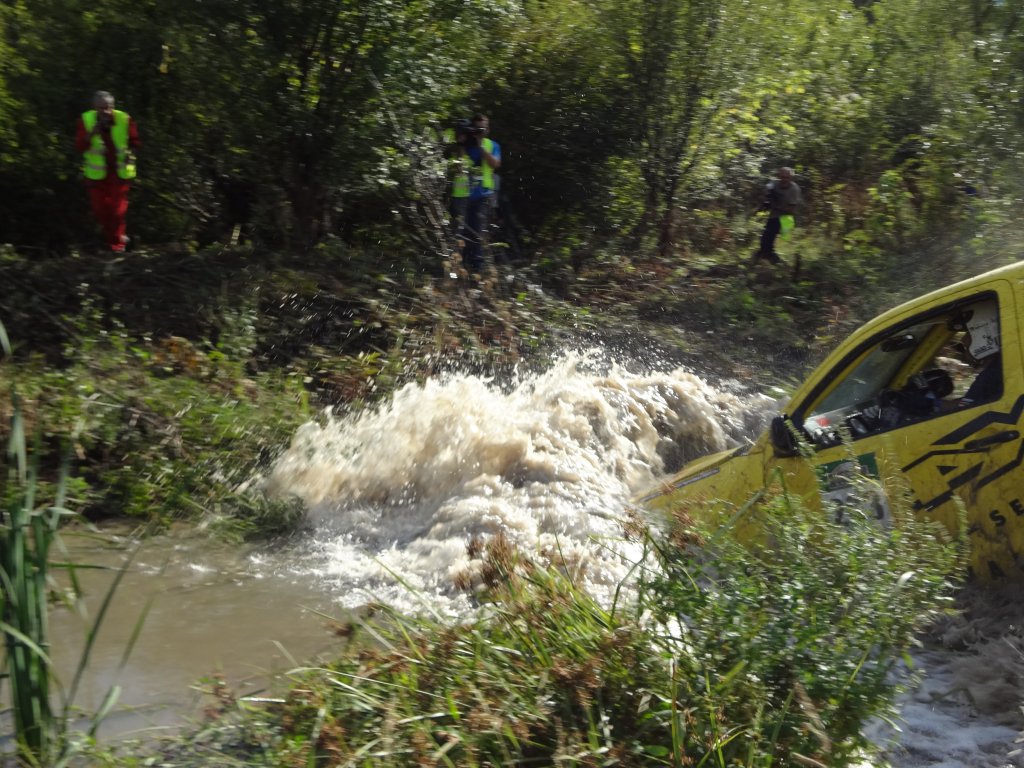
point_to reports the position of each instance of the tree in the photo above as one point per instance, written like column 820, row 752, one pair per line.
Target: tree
column 685, row 62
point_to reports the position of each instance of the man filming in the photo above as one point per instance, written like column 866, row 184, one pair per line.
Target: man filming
column 475, row 159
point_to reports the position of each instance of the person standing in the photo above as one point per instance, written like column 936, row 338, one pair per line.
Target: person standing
column 782, row 198
column 107, row 139
column 476, row 159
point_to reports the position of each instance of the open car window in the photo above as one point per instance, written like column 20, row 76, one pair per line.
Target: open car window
column 876, row 370
column 923, row 369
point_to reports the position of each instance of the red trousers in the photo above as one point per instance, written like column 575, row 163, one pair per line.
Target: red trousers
column 109, row 198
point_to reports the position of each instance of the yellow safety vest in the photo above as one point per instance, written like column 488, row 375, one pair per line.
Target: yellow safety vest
column 464, row 173
column 94, row 161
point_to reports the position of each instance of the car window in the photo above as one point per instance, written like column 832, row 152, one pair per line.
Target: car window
column 929, row 367
column 876, row 370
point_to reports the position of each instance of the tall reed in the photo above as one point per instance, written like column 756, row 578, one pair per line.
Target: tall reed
column 25, row 539
column 28, row 532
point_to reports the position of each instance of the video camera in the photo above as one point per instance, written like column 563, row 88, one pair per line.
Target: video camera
column 466, row 128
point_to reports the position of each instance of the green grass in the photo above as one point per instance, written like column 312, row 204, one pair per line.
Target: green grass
column 162, row 431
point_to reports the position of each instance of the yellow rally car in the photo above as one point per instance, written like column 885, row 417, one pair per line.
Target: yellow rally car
column 931, row 391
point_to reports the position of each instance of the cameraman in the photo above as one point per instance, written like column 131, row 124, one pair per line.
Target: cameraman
column 475, row 158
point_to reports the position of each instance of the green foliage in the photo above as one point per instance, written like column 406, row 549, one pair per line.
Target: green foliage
column 684, row 64
column 797, row 641
column 289, row 124
column 165, row 428
column 275, row 107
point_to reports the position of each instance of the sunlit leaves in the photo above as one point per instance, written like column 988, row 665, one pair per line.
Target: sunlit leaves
column 288, row 114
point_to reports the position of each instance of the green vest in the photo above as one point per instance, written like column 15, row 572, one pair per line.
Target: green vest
column 94, row 159
column 464, row 172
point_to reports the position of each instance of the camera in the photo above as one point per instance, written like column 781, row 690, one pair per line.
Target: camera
column 466, row 128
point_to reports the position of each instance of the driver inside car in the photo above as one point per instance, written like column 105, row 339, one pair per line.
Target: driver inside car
column 981, row 343
column 920, row 397
column 925, row 393
column 922, row 369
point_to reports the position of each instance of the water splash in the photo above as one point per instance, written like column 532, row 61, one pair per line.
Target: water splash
column 398, row 492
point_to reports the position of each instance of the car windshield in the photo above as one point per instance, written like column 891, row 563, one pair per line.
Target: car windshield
column 875, row 371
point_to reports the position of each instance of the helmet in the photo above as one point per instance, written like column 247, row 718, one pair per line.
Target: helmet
column 981, row 321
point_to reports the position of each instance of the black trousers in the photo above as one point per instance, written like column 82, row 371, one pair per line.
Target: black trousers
column 472, row 217
column 772, row 228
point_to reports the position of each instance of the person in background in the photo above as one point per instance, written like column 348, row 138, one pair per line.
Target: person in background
column 782, row 198
column 107, row 139
column 476, row 159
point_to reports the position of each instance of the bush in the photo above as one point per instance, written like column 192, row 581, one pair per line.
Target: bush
column 789, row 648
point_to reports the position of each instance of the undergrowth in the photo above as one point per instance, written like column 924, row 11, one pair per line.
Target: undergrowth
column 163, row 430
column 717, row 654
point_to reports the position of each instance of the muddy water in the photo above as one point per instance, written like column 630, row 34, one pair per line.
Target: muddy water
column 395, row 495
column 207, row 613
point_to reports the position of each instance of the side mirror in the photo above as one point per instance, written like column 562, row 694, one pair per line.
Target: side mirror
column 783, row 439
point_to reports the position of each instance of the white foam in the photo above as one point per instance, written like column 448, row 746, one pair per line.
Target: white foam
column 549, row 464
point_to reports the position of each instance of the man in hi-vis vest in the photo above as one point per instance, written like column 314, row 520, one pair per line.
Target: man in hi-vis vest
column 107, row 138
column 475, row 158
